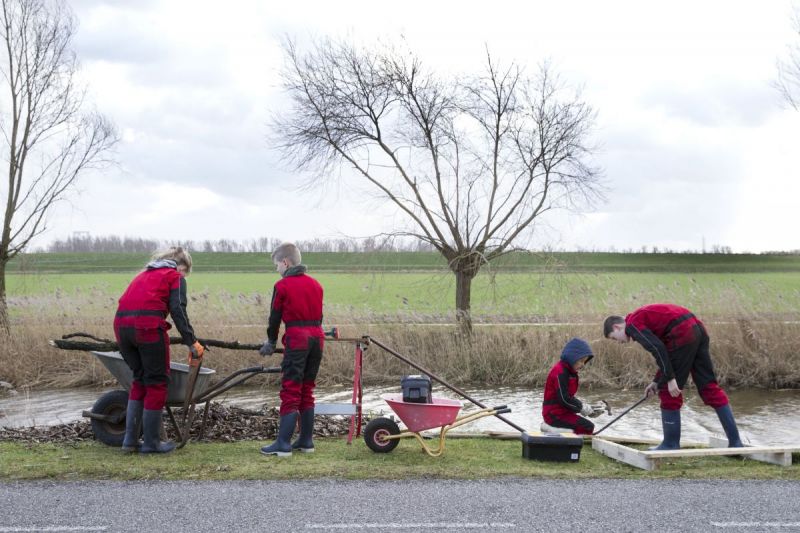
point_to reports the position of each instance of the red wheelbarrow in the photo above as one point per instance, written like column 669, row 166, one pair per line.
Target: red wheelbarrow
column 382, row 435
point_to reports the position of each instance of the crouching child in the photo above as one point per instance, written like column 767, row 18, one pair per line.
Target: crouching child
column 561, row 409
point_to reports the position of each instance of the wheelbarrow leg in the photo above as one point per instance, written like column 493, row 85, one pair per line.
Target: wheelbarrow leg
column 440, row 449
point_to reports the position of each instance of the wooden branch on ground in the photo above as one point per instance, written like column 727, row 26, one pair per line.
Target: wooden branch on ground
column 98, row 344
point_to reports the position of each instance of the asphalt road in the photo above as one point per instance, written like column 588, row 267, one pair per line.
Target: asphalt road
column 402, row 506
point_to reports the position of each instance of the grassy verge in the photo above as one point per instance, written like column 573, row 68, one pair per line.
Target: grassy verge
column 476, row 458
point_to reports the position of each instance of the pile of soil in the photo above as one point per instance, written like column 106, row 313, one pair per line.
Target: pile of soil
column 225, row 424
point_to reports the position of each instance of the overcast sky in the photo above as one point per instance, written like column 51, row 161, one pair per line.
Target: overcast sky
column 697, row 146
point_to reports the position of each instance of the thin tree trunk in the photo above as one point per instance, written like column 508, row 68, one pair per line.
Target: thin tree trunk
column 463, row 297
column 4, row 325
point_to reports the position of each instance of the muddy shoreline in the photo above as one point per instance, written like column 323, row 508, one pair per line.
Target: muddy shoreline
column 225, row 424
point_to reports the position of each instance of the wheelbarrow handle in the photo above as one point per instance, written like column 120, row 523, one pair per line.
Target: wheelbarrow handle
column 499, row 407
column 502, row 411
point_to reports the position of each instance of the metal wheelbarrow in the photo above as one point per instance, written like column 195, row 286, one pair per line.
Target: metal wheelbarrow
column 109, row 411
column 382, row 435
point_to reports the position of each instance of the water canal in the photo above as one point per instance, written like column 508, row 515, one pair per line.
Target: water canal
column 765, row 417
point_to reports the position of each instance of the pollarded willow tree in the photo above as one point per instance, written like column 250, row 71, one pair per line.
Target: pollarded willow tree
column 49, row 139
column 471, row 161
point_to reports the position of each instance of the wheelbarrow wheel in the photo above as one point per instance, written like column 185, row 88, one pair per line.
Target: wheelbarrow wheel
column 114, row 404
column 376, row 432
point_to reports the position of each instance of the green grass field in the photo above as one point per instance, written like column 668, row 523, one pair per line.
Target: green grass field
column 422, row 261
column 504, row 295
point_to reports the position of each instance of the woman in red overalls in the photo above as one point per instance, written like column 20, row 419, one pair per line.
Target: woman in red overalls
column 141, row 327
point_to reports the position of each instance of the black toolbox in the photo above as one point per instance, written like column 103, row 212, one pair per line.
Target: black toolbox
column 416, row 388
column 558, row 447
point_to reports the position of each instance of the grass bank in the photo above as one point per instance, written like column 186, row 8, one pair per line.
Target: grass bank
column 473, row 458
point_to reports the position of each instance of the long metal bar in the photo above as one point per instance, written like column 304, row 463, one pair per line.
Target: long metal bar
column 225, row 385
column 443, row 382
column 623, row 413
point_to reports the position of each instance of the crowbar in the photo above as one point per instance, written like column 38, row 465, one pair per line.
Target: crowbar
column 623, row 413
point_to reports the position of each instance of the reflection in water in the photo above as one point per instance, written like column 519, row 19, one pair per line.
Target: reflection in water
column 765, row 417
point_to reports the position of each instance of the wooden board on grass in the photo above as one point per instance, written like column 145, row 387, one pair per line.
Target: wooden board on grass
column 649, row 459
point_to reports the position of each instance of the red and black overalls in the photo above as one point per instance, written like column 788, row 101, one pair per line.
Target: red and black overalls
column 140, row 327
column 297, row 301
column 680, row 345
column 560, row 407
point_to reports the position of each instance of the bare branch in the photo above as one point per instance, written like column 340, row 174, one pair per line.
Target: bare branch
column 50, row 140
column 473, row 162
column 788, row 82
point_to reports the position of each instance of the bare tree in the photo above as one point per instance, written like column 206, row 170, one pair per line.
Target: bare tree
column 472, row 161
column 788, row 82
column 49, row 138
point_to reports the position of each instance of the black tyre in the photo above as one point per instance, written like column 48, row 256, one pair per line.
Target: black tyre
column 113, row 403
column 376, row 433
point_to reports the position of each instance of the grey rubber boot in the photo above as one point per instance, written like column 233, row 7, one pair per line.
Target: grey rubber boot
column 282, row 447
column 671, row 423
column 133, row 426
column 725, row 415
column 151, row 422
column 305, row 442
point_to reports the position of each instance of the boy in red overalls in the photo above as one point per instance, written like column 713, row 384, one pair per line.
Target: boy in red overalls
column 680, row 345
column 297, row 301
column 561, row 409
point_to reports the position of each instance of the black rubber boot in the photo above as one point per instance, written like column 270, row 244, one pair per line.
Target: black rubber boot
column 133, row 426
column 725, row 415
column 282, row 447
column 305, row 442
column 151, row 422
column 671, row 423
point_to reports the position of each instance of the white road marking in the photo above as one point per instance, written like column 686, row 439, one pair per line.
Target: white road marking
column 52, row 528
column 756, row 524
column 416, row 525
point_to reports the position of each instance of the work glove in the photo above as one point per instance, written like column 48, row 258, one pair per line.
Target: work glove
column 598, row 409
column 586, row 408
column 196, row 351
column 267, row 349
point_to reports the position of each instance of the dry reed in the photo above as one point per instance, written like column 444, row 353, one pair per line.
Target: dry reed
column 746, row 353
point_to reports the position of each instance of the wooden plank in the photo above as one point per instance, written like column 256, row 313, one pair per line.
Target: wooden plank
column 704, row 452
column 624, row 454
column 777, row 458
column 637, row 440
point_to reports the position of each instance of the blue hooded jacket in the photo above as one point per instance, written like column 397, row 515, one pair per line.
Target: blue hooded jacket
column 574, row 350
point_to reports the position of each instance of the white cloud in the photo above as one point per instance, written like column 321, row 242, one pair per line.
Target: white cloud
column 694, row 141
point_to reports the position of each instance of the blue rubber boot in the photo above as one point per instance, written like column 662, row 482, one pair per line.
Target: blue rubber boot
column 282, row 447
column 151, row 423
column 725, row 415
column 133, row 426
column 305, row 442
column 671, row 423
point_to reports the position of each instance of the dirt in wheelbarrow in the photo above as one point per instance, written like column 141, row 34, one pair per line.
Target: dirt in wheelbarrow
column 225, row 424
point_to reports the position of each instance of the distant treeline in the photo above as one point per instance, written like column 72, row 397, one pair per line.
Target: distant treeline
column 116, row 244
column 83, row 243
